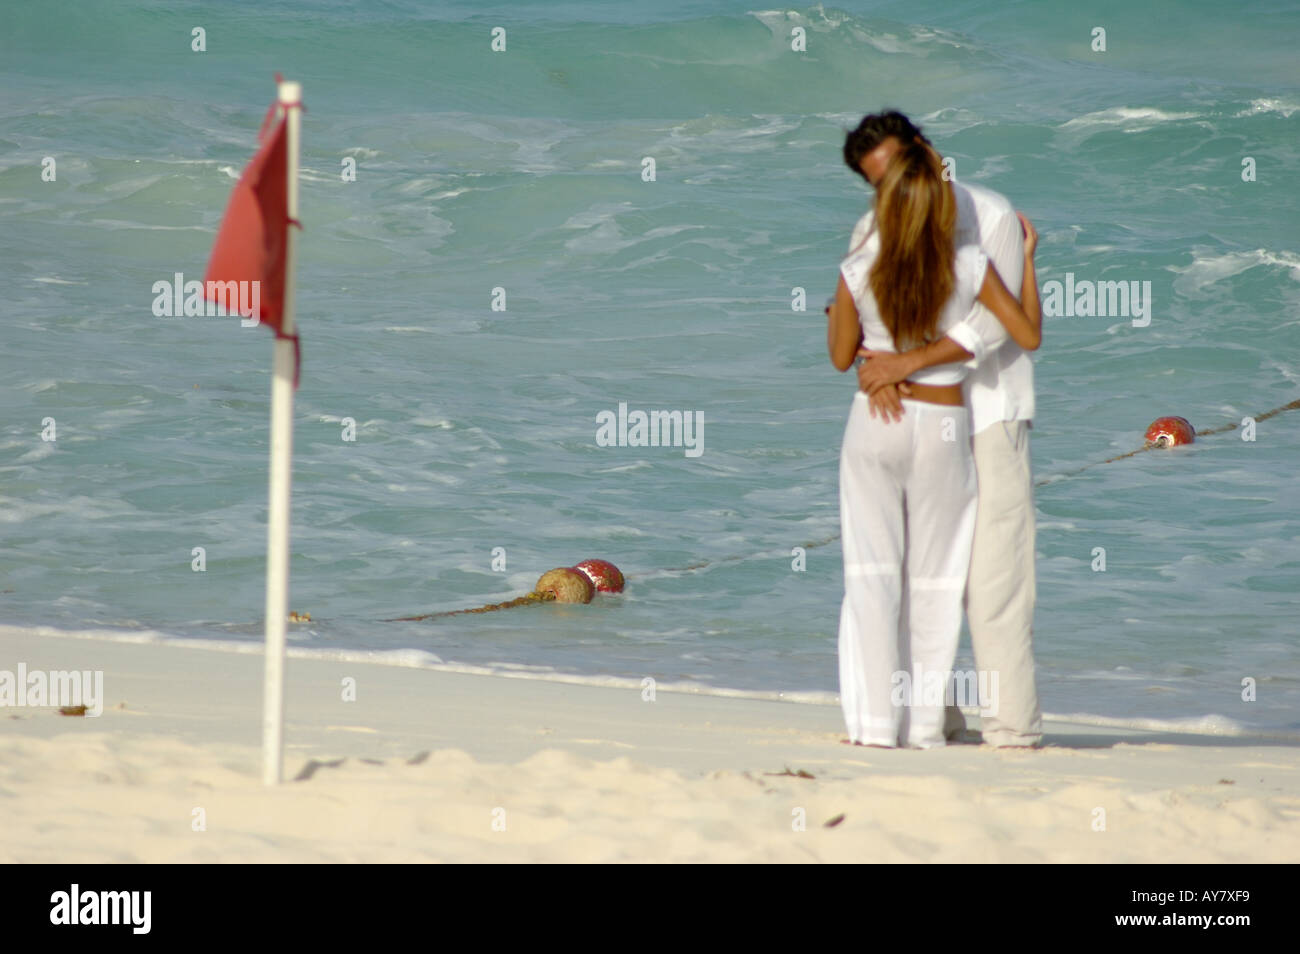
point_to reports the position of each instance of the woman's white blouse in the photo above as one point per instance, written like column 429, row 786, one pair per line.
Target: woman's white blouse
column 969, row 266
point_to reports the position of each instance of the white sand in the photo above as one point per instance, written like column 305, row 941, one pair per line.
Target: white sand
column 423, row 763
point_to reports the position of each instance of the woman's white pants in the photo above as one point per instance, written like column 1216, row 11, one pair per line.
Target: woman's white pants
column 907, row 516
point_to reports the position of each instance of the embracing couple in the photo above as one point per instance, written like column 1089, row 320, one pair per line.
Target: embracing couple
column 938, row 297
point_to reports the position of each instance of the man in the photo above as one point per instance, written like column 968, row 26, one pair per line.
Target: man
column 1000, row 395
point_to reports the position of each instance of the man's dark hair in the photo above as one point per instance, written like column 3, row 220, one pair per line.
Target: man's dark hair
column 874, row 129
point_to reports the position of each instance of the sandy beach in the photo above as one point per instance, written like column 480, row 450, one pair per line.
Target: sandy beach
column 440, row 766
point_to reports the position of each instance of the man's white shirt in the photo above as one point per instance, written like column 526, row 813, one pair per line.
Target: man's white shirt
column 1001, row 385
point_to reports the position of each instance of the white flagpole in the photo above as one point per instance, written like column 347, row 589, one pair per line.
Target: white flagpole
column 277, row 524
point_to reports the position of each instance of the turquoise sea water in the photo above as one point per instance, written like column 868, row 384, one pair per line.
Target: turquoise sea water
column 475, row 429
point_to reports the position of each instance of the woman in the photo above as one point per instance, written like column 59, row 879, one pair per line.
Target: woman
column 907, row 489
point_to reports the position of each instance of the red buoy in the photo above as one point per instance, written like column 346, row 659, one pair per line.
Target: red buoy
column 605, row 576
column 1170, row 432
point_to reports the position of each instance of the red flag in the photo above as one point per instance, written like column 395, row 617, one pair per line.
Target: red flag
column 252, row 240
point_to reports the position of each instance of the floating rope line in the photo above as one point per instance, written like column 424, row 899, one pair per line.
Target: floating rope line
column 1293, row 406
column 528, row 600
column 1226, row 428
column 550, row 593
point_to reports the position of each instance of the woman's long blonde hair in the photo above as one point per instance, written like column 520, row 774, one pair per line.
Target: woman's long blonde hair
column 916, row 214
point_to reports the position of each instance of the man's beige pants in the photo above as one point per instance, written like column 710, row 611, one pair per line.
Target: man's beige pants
column 1000, row 588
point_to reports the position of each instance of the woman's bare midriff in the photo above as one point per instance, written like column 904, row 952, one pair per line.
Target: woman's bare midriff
column 937, row 393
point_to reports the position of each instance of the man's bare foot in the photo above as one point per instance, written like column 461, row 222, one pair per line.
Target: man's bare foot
column 866, row 745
